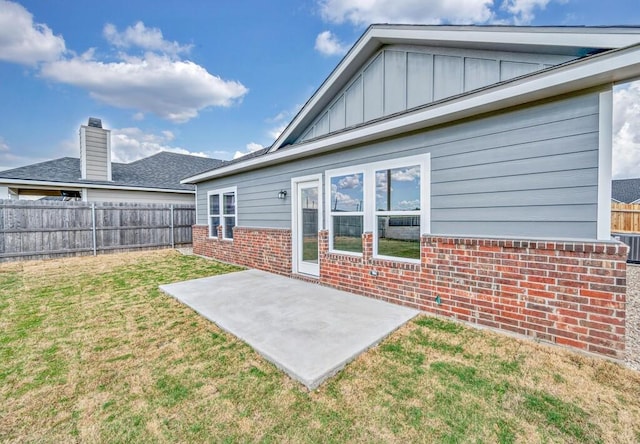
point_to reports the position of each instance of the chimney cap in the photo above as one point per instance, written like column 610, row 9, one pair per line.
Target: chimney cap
column 95, row 122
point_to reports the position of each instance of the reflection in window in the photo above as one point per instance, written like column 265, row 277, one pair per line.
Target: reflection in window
column 346, row 193
column 222, row 212
column 399, row 236
column 347, row 233
column 398, row 189
column 385, row 198
column 398, row 212
column 214, row 214
column 347, row 200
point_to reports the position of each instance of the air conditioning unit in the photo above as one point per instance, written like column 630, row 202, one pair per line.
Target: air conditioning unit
column 633, row 241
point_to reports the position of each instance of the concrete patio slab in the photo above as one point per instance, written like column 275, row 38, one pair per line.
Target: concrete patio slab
column 307, row 330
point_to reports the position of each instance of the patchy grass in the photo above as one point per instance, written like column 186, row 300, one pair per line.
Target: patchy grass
column 91, row 351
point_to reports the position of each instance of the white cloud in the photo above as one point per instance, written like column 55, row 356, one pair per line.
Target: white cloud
column 328, row 44
column 364, row 12
column 4, row 148
column 347, row 203
column 523, row 10
column 130, row 144
column 138, row 35
column 23, row 41
column 155, row 82
column 409, row 204
column 251, row 148
column 349, row 182
column 406, row 174
column 172, row 89
column 626, row 131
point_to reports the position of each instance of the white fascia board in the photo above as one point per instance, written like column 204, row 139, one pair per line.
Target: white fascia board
column 548, row 37
column 48, row 184
column 595, row 71
column 506, row 38
column 359, row 52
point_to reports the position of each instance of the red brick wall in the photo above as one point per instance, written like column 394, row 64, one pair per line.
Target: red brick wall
column 262, row 248
column 568, row 293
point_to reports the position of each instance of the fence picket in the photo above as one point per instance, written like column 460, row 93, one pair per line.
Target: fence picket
column 625, row 218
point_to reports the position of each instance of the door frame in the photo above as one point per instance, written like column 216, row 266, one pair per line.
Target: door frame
column 295, row 219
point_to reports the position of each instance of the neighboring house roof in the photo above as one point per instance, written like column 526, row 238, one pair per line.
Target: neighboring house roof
column 605, row 55
column 625, row 190
column 163, row 170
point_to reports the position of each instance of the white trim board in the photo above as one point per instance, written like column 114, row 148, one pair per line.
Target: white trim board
column 605, row 152
column 295, row 181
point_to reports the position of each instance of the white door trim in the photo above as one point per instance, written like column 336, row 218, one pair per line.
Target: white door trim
column 295, row 220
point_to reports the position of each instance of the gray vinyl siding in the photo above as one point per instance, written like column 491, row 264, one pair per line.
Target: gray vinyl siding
column 527, row 172
column 100, row 195
column 403, row 77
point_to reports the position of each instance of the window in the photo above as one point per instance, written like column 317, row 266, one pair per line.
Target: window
column 389, row 199
column 347, row 213
column 398, row 212
column 222, row 212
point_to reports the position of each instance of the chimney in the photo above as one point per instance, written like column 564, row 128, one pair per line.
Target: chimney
column 95, row 151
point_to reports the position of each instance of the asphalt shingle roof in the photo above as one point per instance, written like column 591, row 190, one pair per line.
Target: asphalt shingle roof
column 162, row 170
column 625, row 190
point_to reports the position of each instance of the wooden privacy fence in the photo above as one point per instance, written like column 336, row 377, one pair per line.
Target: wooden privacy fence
column 37, row 229
column 625, row 218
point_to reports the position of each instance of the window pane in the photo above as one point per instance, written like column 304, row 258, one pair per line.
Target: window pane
column 398, row 189
column 347, row 233
column 399, row 236
column 309, row 206
column 214, row 204
column 229, row 203
column 214, row 222
column 229, row 223
column 346, row 193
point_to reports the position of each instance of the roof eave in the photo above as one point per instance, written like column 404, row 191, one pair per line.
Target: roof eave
column 45, row 183
column 498, row 37
column 605, row 69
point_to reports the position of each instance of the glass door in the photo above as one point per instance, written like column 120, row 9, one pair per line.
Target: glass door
column 308, row 202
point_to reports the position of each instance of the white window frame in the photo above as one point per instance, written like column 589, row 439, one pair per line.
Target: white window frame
column 369, row 195
column 221, row 192
column 347, row 171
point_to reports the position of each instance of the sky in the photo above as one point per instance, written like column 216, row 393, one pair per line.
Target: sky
column 221, row 78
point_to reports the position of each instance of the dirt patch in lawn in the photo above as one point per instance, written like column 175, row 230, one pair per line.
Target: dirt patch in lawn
column 91, row 351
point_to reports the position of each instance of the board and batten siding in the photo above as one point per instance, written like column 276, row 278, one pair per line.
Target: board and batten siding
column 403, row 77
column 103, row 195
column 525, row 172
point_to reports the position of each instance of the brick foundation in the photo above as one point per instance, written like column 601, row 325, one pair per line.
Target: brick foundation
column 567, row 293
column 261, row 248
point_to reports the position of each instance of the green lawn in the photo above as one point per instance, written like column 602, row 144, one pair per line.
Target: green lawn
column 386, row 247
column 91, row 351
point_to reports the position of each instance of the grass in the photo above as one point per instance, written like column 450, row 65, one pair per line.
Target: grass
column 386, row 247
column 91, row 351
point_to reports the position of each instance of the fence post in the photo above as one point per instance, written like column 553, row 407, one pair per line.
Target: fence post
column 93, row 226
column 172, row 227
